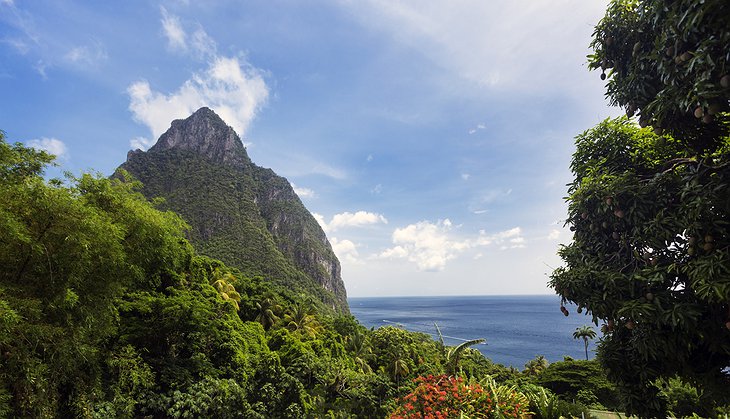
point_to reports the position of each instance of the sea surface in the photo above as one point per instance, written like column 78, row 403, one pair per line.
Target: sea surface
column 517, row 328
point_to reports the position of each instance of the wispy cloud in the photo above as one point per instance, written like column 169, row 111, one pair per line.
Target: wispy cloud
column 485, row 198
column 173, row 31
column 87, row 56
column 199, row 44
column 477, row 40
column 51, row 145
column 477, row 128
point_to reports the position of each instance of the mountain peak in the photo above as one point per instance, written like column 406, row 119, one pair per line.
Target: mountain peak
column 205, row 133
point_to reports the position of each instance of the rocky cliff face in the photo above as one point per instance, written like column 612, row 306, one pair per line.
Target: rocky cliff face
column 240, row 213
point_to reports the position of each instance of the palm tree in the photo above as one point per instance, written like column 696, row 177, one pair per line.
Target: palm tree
column 536, row 366
column 585, row 332
column 301, row 318
column 453, row 356
column 361, row 350
column 226, row 289
column 267, row 309
column 399, row 368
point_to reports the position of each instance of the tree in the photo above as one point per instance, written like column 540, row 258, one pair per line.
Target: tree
column 650, row 209
column 301, row 318
column 536, row 366
column 453, row 356
column 668, row 63
column 358, row 345
column 267, row 309
column 223, row 283
column 585, row 332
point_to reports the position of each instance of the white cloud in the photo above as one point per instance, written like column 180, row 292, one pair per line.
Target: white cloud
column 320, row 219
column 7, row 2
column 465, row 176
column 231, row 87
column 51, row 145
column 41, row 67
column 377, row 189
column 200, row 44
column 554, row 235
column 477, row 128
column 141, row 143
column 349, row 219
column 345, row 250
column 303, row 192
column 87, row 55
column 18, row 44
column 513, row 235
column 426, row 244
column 369, row 158
column 431, row 245
column 176, row 37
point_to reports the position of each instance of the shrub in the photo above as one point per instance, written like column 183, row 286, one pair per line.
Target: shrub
column 444, row 396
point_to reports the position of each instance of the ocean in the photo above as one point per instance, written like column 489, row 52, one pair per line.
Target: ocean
column 517, row 328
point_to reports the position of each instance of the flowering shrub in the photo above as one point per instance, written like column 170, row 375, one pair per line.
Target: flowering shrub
column 442, row 396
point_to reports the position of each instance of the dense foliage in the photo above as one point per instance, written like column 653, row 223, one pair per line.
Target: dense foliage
column 669, row 63
column 650, row 209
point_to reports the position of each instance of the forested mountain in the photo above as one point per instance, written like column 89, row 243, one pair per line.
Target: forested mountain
column 245, row 215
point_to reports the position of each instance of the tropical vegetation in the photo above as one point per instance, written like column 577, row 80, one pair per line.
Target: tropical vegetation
column 649, row 204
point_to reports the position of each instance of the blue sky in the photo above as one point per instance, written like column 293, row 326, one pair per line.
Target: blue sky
column 431, row 139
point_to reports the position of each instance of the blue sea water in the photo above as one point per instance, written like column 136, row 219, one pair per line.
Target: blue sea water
column 517, row 328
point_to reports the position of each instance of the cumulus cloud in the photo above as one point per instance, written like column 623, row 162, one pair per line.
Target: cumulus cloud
column 345, row 250
column 554, row 235
column 51, row 145
column 431, row 245
column 426, row 244
column 320, row 219
column 349, row 219
column 231, row 87
column 303, row 192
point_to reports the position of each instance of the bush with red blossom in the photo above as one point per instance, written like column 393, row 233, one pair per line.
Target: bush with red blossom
column 442, row 396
